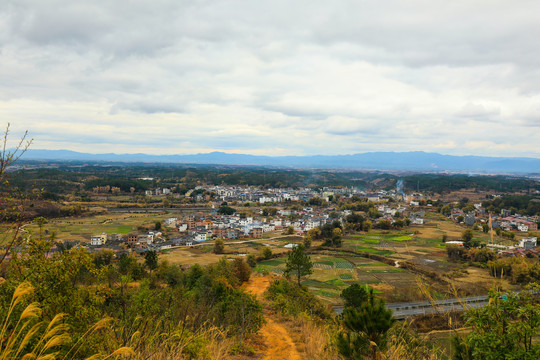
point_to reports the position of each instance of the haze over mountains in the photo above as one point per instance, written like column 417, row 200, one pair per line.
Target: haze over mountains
column 415, row 161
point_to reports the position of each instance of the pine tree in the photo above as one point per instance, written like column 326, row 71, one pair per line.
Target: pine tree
column 298, row 263
column 366, row 329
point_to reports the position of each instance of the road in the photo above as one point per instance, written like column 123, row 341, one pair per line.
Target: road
column 404, row 310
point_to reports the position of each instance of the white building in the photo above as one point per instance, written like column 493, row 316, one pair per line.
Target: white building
column 98, row 240
column 528, row 243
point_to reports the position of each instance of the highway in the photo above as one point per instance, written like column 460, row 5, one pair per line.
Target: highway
column 404, row 310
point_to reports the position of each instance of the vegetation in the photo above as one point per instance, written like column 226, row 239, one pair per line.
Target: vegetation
column 219, row 246
column 298, row 263
column 365, row 329
column 504, row 329
column 292, row 299
column 59, row 300
column 446, row 183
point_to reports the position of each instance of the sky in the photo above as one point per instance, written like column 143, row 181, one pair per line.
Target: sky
column 273, row 77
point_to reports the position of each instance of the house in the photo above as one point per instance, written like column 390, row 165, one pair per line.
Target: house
column 469, row 220
column 505, row 212
column 170, row 221
column 199, row 236
column 257, row 232
column 528, row 243
column 145, row 239
column 98, row 240
column 133, row 238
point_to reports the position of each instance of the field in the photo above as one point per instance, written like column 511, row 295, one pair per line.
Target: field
column 81, row 228
column 235, row 248
column 333, row 271
column 332, row 274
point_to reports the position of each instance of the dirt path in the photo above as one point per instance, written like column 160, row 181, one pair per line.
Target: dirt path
column 275, row 336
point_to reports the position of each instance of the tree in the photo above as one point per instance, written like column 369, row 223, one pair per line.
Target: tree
column 289, row 230
column 266, row 253
column 157, row 225
column 366, row 329
column 307, row 241
column 252, row 260
column 226, row 210
column 241, row 270
column 354, row 295
column 8, row 155
column 467, row 237
column 337, row 233
column 151, row 260
column 367, row 225
column 503, row 329
column 485, row 228
column 103, row 257
column 219, row 246
column 298, row 263
column 384, row 224
column 444, row 238
column 398, row 224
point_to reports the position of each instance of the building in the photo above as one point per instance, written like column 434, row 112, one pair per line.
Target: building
column 98, row 240
column 528, row 243
column 133, row 238
column 257, row 232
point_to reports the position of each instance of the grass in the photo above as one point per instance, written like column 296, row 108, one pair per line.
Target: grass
column 400, row 238
column 372, row 264
column 330, row 263
column 273, row 262
column 319, row 284
column 374, row 251
column 336, row 282
column 326, row 293
column 28, row 337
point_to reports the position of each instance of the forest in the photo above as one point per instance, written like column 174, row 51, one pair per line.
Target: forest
column 69, row 177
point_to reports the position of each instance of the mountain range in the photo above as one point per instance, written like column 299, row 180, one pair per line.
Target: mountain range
column 412, row 161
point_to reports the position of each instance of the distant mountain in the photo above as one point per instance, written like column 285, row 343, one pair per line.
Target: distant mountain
column 415, row 161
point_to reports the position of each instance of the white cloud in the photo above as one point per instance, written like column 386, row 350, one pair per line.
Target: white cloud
column 304, row 77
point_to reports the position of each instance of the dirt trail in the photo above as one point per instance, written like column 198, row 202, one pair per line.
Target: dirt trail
column 275, row 336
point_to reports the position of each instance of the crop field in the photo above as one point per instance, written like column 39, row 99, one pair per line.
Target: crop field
column 332, row 274
column 333, row 271
column 81, row 228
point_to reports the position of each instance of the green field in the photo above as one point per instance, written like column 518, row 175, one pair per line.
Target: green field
column 332, row 274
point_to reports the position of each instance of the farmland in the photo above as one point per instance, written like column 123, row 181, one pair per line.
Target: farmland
column 334, row 269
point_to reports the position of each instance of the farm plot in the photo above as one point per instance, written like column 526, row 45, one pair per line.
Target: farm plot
column 276, row 266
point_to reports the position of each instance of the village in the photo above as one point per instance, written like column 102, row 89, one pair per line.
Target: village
column 261, row 213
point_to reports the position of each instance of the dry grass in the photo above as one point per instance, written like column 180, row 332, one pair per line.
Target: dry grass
column 27, row 337
column 315, row 340
column 207, row 344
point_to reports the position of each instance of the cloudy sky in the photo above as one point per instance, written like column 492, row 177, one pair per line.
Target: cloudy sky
column 273, row 77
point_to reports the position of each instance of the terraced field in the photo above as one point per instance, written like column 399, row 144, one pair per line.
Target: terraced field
column 332, row 274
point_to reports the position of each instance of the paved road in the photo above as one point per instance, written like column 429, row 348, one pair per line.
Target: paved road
column 246, row 241
column 176, row 209
column 404, row 310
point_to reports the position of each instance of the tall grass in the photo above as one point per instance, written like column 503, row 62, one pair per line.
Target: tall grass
column 27, row 337
column 316, row 339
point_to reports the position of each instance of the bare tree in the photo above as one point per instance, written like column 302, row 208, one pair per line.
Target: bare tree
column 7, row 195
column 9, row 156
